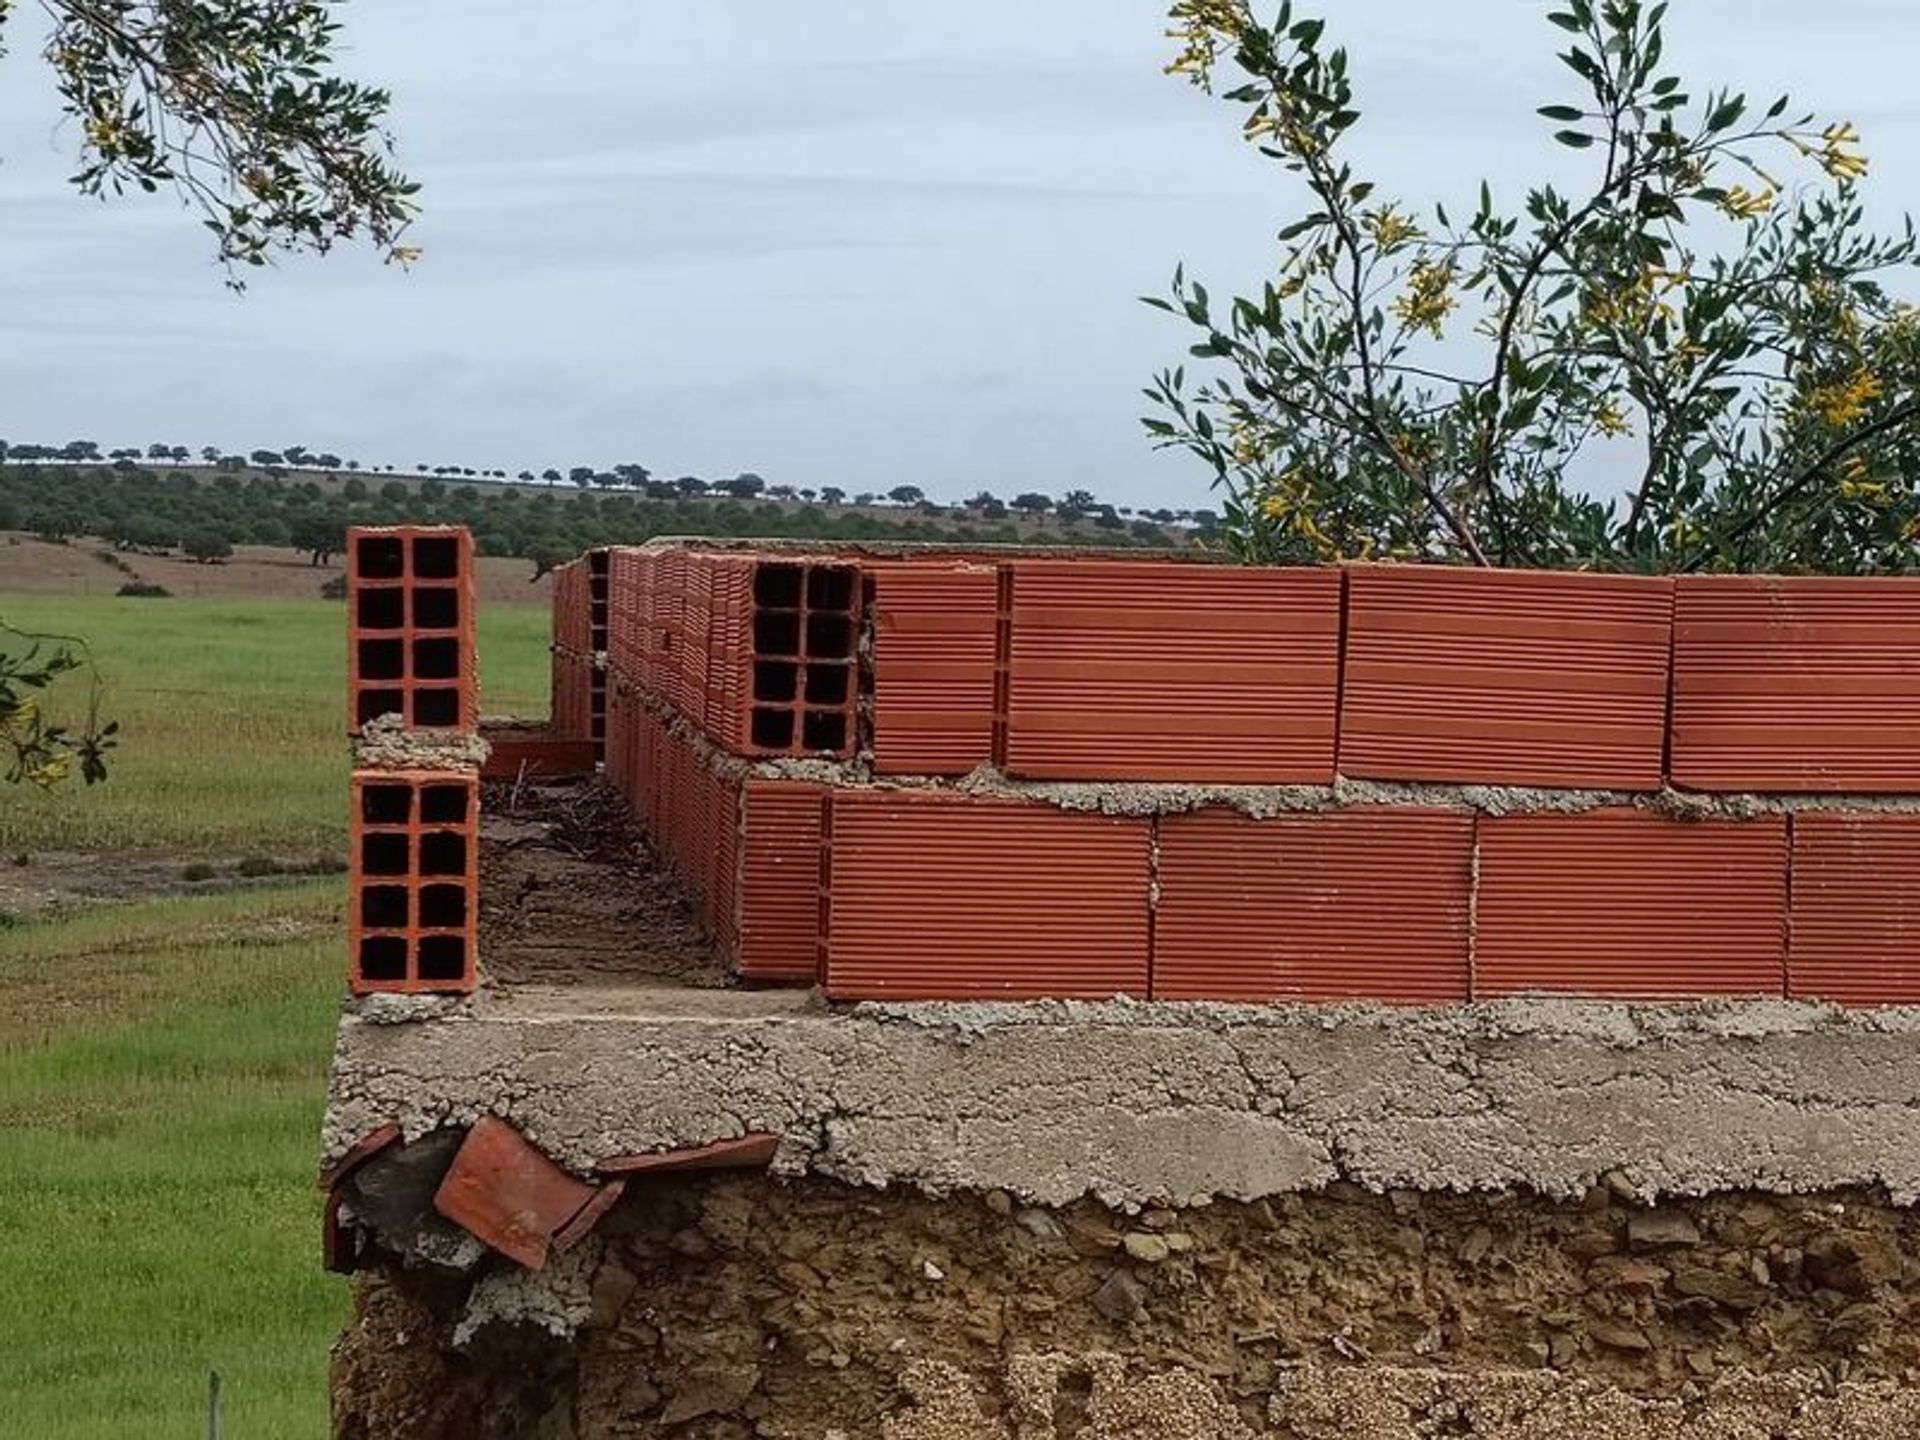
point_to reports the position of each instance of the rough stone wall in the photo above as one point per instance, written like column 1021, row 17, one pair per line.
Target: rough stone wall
column 721, row 1308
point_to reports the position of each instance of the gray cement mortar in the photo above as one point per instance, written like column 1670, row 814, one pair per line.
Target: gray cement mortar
column 1131, row 1102
column 386, row 744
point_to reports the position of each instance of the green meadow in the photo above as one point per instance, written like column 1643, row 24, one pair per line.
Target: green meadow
column 163, row 1060
column 232, row 719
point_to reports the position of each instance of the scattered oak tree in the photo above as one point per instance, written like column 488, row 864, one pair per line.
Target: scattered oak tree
column 1693, row 362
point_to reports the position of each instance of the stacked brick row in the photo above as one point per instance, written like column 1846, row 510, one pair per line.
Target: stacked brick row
column 415, row 827
column 1093, row 670
column 580, row 637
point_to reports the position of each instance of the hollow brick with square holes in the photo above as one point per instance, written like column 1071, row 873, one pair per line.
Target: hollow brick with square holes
column 411, row 626
column 936, row 896
column 1370, row 903
column 1629, row 904
column 1505, row 677
column 413, row 901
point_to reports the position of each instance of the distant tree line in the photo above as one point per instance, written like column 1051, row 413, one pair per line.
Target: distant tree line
column 1073, row 508
column 134, row 508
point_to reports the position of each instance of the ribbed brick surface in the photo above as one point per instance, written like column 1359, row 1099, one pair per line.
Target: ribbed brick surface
column 934, row 658
column 1149, row 670
column 1802, row 684
column 779, row 879
column 944, row 897
column 413, row 897
column 1505, row 677
column 1364, row 904
column 1632, row 905
column 1855, row 938
column 410, row 626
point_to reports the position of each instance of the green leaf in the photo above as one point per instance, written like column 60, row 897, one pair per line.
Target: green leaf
column 1728, row 112
column 1563, row 112
column 1563, row 20
column 1573, row 139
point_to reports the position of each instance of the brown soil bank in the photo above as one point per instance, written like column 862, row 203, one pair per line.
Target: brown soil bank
column 723, row 1308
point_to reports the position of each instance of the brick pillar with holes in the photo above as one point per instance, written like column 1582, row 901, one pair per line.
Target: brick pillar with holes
column 414, row 901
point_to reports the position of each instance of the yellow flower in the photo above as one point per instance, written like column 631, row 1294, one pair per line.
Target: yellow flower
column 1844, row 402
column 1389, row 228
column 55, row 767
column 1428, row 299
column 1740, row 203
column 1610, row 420
column 1836, row 152
column 1204, row 28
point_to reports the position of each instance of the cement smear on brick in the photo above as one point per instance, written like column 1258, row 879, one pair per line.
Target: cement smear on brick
column 1144, row 799
column 1136, row 1102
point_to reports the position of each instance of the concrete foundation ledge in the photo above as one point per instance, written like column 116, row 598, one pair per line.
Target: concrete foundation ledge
column 1132, row 1103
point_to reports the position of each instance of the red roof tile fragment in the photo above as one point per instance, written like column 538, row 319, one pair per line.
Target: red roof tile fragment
column 502, row 1190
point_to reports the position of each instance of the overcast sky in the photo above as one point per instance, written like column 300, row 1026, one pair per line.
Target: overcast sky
column 837, row 242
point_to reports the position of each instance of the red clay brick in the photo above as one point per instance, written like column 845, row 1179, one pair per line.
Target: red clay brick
column 1505, row 677
column 1370, row 903
column 1855, row 938
column 1152, row 670
column 937, row 896
column 414, row 891
column 507, row 1194
column 935, row 629
column 779, row 879
column 410, row 626
column 538, row 754
column 1798, row 684
column 1628, row 904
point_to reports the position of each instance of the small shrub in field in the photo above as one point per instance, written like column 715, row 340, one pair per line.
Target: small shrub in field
column 11, row 919
column 254, row 866
column 334, row 589
column 196, row 872
column 327, row 865
column 144, row 590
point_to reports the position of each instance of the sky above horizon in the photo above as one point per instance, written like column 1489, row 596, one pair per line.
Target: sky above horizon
column 819, row 242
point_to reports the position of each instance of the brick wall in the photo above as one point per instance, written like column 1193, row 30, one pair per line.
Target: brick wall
column 1360, row 713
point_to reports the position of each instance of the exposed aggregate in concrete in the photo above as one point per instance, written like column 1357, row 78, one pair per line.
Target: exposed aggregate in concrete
column 386, row 744
column 1133, row 1102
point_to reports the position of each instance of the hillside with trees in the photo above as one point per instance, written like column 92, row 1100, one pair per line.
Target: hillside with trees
column 207, row 512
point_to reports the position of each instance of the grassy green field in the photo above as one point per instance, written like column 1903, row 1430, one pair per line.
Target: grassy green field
column 231, row 721
column 163, row 1061
column 162, row 1066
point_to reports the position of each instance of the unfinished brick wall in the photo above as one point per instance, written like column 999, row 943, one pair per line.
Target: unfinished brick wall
column 1296, row 754
column 581, row 630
